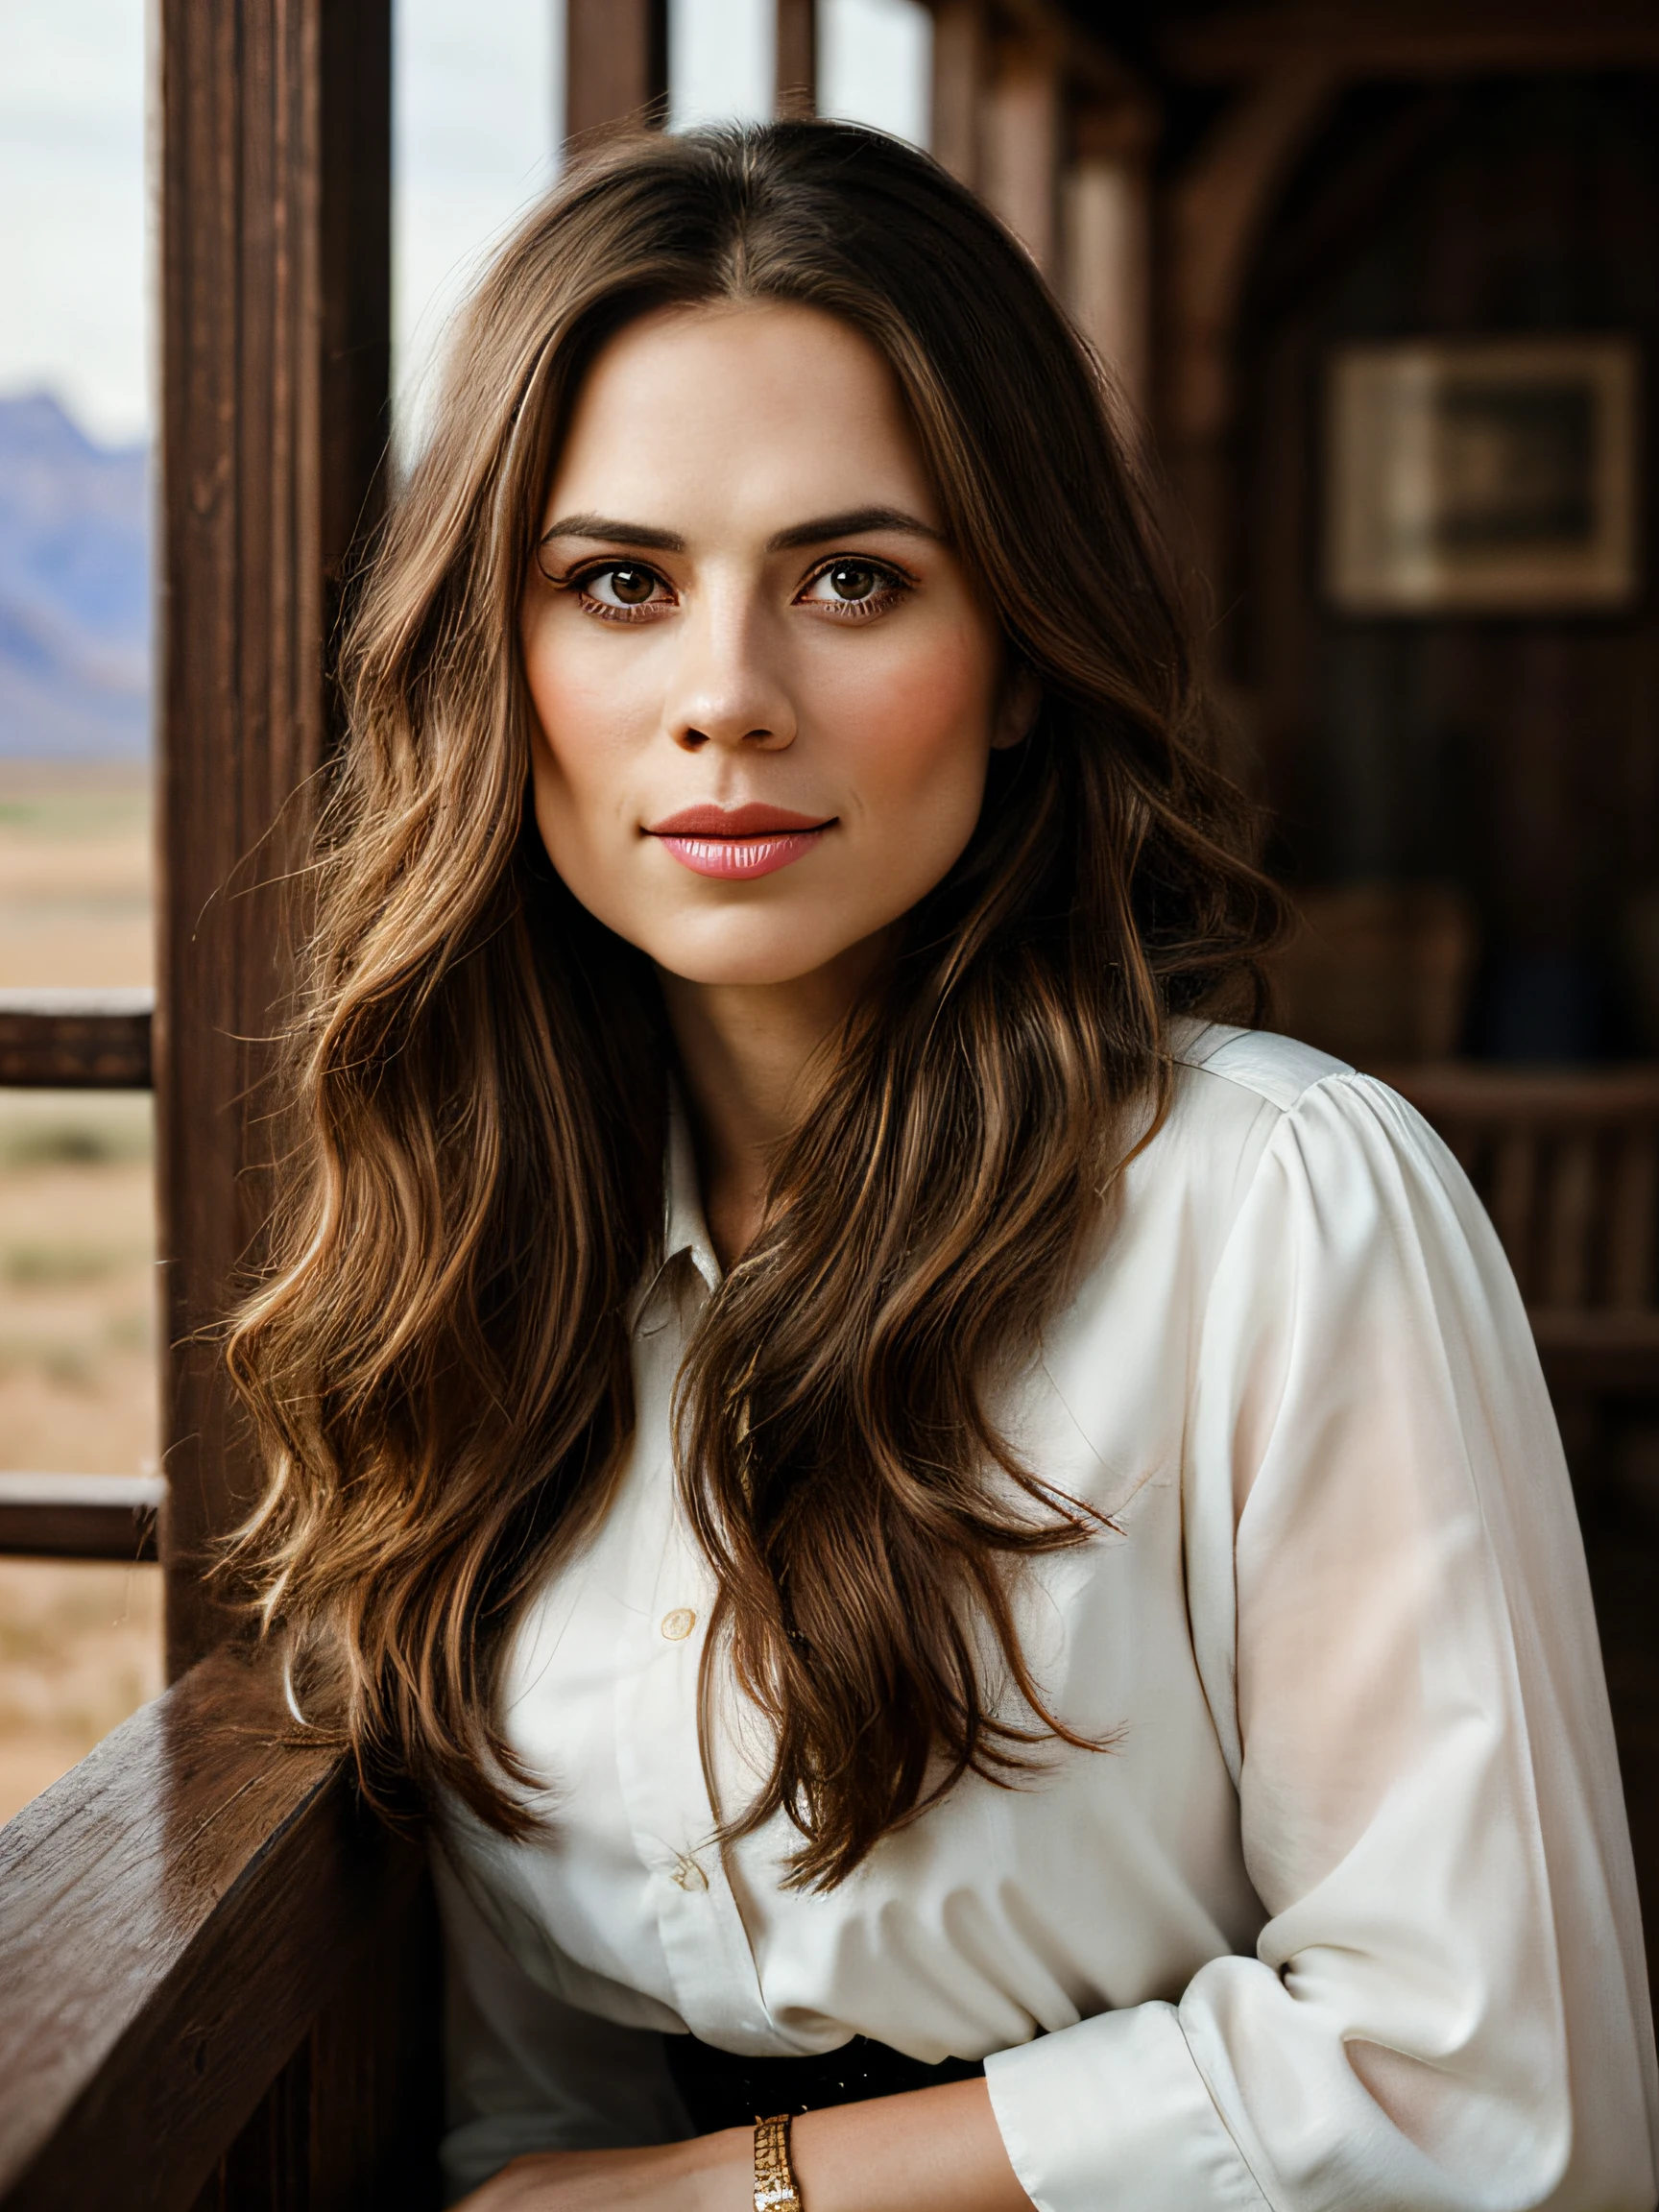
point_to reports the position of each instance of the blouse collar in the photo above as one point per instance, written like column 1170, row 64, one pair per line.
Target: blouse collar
column 684, row 1226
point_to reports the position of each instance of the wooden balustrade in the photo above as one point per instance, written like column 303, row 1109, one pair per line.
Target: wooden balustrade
column 218, row 1977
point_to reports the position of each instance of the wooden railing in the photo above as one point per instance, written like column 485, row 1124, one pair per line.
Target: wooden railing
column 1567, row 1164
column 80, row 1516
column 218, row 1979
column 78, row 1041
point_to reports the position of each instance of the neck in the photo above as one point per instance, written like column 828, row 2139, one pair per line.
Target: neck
column 747, row 1055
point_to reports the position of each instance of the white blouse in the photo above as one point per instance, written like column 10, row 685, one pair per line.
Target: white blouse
column 1346, row 1919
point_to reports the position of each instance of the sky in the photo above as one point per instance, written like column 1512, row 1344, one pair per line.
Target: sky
column 476, row 107
column 73, row 240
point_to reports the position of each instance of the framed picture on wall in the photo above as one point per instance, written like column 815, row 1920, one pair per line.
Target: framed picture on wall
column 1489, row 477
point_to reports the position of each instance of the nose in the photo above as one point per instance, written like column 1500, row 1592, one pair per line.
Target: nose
column 728, row 690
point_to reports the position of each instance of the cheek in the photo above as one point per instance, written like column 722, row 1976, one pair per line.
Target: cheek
column 574, row 706
column 919, row 728
column 581, row 736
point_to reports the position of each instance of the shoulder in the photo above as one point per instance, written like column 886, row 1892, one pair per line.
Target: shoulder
column 1275, row 1071
column 1246, row 1102
column 1231, row 1094
column 1274, row 1117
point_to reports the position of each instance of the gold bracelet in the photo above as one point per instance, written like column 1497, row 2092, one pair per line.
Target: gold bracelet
column 776, row 2188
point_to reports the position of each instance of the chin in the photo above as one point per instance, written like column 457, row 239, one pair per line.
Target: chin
column 755, row 973
column 759, row 953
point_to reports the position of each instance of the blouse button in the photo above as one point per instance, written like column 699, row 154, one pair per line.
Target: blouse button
column 678, row 1625
column 688, row 1874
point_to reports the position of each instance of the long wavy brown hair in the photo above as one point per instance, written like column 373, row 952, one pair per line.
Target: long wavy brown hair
column 438, row 1364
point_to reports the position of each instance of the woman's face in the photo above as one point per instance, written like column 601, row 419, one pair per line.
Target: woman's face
column 767, row 692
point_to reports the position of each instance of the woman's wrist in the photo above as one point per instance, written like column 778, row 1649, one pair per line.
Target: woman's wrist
column 927, row 2150
column 719, row 2169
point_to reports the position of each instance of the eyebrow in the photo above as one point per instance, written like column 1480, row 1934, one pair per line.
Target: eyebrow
column 851, row 524
column 607, row 530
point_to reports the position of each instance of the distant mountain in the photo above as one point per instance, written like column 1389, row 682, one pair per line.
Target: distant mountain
column 74, row 590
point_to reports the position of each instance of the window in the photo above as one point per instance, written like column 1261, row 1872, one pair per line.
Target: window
column 79, row 1645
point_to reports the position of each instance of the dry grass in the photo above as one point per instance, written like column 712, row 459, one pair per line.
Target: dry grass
column 79, row 1649
column 80, row 1646
column 74, row 876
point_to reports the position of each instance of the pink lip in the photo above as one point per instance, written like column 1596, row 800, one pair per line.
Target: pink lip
column 738, row 842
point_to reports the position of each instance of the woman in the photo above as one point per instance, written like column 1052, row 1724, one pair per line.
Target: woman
column 1018, row 1597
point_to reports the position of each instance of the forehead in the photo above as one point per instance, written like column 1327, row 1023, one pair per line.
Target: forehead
column 763, row 403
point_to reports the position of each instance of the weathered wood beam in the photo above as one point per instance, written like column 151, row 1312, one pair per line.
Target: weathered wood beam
column 615, row 64
column 75, row 1040
column 80, row 1516
column 274, row 220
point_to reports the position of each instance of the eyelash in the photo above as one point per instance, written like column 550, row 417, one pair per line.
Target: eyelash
column 894, row 588
column 578, row 581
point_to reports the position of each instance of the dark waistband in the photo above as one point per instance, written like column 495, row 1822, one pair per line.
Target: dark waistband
column 722, row 2089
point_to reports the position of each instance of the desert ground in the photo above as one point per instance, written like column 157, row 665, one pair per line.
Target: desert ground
column 80, row 1646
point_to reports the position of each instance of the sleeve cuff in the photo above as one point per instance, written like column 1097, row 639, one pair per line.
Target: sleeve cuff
column 1112, row 2116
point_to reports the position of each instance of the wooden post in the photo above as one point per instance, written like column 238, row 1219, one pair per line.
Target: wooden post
column 959, row 68
column 615, row 62
column 797, row 73
column 1106, row 220
column 276, row 144
column 1020, row 149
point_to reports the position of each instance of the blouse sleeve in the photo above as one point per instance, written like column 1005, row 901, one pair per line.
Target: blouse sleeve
column 1447, row 2008
column 527, row 2072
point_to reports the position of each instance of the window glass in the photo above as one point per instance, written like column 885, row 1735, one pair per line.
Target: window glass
column 79, row 1645
column 875, row 64
column 476, row 114
column 722, row 60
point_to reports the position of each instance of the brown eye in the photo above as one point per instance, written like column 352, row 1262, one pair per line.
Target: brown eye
column 856, row 590
column 632, row 586
column 853, row 579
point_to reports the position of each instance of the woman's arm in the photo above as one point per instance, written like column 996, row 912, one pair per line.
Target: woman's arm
column 1386, row 1593
column 933, row 2150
